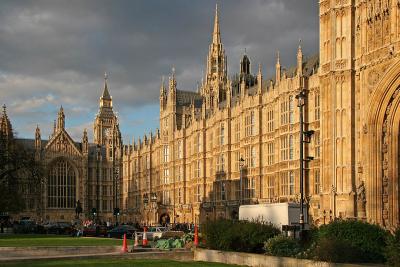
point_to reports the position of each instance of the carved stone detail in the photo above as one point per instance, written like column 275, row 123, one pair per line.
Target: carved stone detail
column 365, row 129
column 373, row 77
column 385, row 164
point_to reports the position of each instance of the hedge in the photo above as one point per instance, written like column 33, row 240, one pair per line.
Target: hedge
column 238, row 235
column 365, row 241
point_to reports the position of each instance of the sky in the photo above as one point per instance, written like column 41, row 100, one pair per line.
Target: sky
column 55, row 53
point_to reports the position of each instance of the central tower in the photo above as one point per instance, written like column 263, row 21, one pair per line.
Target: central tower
column 214, row 89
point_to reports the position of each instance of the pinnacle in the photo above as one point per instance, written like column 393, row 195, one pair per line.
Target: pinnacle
column 216, row 32
column 277, row 58
column 106, row 94
column 4, row 110
column 299, row 50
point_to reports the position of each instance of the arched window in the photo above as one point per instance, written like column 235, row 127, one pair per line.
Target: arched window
column 61, row 189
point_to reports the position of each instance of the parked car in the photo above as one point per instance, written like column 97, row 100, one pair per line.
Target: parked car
column 119, row 231
column 92, row 230
column 59, row 228
column 25, row 227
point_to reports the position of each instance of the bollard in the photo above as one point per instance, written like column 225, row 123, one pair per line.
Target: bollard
column 136, row 244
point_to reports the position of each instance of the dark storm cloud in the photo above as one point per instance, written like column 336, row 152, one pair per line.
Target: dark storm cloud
column 60, row 49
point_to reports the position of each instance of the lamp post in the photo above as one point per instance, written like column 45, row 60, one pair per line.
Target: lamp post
column 98, row 181
column 153, row 200
column 301, row 98
column 145, row 202
column 145, row 199
column 241, row 165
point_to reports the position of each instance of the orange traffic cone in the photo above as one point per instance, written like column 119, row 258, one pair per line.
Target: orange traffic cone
column 136, row 244
column 144, row 243
column 196, row 236
column 124, row 245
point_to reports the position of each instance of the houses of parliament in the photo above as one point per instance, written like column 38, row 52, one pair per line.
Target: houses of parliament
column 236, row 140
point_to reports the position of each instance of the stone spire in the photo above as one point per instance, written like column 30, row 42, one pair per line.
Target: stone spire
column 37, row 135
column 61, row 119
column 38, row 143
column 214, row 87
column 162, row 87
column 105, row 99
column 163, row 94
column 172, row 89
column 85, row 142
column 299, row 60
column 216, row 32
column 278, row 69
column 5, row 124
column 172, row 82
column 259, row 79
column 106, row 94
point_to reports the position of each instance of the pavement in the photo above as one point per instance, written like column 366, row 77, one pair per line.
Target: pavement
column 140, row 253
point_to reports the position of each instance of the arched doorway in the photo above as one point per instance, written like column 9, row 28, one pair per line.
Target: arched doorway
column 382, row 153
column 164, row 219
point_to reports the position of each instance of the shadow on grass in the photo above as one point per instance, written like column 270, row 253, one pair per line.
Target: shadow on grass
column 112, row 262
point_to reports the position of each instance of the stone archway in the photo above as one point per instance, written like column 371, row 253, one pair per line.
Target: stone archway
column 381, row 154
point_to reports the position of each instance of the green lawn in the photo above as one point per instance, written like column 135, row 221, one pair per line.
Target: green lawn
column 51, row 240
column 113, row 262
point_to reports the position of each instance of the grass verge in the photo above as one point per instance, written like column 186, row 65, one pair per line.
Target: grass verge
column 55, row 240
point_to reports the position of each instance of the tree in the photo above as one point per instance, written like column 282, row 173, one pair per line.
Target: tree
column 20, row 174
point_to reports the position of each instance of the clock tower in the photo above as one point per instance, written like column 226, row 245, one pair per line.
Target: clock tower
column 106, row 121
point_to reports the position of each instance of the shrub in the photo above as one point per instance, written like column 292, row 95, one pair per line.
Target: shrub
column 282, row 246
column 365, row 241
column 393, row 249
column 336, row 250
column 238, row 236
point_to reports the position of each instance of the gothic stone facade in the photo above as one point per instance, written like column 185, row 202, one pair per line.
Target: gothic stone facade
column 189, row 170
column 77, row 171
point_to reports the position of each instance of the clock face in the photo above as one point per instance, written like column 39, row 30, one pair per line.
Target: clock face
column 107, row 132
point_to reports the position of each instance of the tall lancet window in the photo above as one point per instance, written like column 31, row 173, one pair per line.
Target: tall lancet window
column 61, row 189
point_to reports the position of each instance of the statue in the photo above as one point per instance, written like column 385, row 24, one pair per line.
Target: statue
column 361, row 192
column 361, row 200
column 78, row 209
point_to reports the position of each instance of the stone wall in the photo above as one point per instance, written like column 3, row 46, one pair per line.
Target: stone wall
column 259, row 260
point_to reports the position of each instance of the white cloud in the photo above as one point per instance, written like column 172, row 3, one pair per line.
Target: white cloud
column 22, row 106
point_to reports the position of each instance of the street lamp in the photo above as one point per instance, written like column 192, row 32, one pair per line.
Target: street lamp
column 153, row 197
column 145, row 202
column 145, row 198
column 98, row 180
column 301, row 99
column 241, row 165
column 153, row 200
